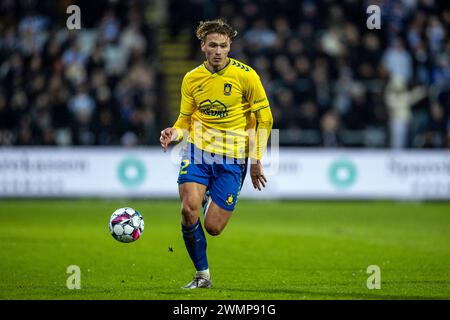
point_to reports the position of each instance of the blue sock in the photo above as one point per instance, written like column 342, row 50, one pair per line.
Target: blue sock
column 195, row 241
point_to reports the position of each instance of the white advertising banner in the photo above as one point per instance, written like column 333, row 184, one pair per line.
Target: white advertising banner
column 292, row 173
column 360, row 174
column 109, row 172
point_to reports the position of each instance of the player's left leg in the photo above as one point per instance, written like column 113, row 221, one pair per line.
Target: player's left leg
column 216, row 218
column 224, row 191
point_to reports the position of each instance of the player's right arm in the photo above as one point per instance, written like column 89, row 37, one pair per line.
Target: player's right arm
column 183, row 123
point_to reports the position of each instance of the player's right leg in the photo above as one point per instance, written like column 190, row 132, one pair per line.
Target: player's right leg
column 191, row 195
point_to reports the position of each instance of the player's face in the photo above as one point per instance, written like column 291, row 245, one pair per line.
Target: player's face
column 216, row 48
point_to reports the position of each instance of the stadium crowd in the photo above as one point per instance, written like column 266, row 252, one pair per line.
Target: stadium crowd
column 94, row 86
column 331, row 81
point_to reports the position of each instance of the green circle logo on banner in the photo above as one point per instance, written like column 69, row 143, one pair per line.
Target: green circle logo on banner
column 342, row 173
column 131, row 172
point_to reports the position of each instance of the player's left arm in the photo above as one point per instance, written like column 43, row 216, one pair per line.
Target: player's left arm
column 259, row 105
column 264, row 122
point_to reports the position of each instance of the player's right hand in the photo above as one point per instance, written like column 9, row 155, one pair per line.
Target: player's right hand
column 167, row 136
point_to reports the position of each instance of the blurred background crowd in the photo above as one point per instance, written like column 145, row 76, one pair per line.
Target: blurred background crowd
column 93, row 86
column 331, row 81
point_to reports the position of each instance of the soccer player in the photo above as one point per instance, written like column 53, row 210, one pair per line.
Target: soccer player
column 226, row 118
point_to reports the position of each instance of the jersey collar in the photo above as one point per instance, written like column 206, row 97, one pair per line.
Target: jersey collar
column 221, row 71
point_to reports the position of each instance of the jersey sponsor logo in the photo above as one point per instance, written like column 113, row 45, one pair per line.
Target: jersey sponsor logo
column 227, row 89
column 259, row 100
column 213, row 108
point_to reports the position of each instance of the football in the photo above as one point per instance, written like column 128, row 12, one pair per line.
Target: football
column 126, row 225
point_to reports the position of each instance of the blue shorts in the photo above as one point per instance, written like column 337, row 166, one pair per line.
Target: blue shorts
column 223, row 177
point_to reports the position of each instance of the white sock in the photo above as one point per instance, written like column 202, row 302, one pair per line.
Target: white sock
column 204, row 274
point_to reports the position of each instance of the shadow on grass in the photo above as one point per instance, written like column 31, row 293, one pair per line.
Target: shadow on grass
column 217, row 293
column 310, row 295
column 223, row 293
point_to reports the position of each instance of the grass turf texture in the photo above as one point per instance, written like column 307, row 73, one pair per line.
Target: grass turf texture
column 269, row 250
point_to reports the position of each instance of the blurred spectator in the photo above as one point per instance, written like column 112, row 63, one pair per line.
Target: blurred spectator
column 260, row 36
column 82, row 105
column 399, row 101
column 435, row 134
column 397, row 60
column 330, row 126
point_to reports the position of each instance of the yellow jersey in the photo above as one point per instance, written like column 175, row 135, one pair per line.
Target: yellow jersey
column 217, row 108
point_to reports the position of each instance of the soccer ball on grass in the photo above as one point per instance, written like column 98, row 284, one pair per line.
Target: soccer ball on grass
column 126, row 225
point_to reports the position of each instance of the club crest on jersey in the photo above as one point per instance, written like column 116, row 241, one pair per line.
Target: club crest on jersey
column 227, row 89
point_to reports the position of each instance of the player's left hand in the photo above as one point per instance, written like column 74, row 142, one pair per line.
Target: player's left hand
column 257, row 175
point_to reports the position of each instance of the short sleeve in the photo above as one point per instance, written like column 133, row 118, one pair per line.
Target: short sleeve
column 255, row 93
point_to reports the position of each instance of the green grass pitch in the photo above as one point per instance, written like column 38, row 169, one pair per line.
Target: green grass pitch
column 269, row 250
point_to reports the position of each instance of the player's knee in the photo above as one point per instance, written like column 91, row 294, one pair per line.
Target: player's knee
column 213, row 230
column 190, row 213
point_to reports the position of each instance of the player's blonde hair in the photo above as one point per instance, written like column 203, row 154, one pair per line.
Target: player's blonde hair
column 214, row 26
